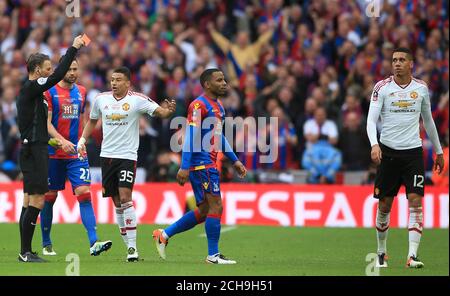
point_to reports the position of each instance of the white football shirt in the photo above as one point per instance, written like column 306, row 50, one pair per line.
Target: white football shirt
column 400, row 109
column 120, row 122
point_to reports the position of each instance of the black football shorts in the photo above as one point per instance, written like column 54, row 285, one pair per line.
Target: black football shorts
column 117, row 173
column 400, row 167
column 33, row 161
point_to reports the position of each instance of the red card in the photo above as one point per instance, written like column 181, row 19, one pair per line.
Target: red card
column 86, row 39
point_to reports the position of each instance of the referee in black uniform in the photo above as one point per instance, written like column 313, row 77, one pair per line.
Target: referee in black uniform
column 32, row 113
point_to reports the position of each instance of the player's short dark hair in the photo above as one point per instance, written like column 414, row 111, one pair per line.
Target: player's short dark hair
column 405, row 50
column 124, row 70
column 35, row 60
column 206, row 75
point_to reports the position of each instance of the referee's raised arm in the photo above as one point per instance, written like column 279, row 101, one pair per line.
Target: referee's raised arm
column 43, row 83
column 32, row 112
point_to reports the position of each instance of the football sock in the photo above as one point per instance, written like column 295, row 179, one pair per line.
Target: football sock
column 382, row 225
column 121, row 222
column 46, row 223
column 47, row 217
column 88, row 216
column 129, row 215
column 29, row 224
column 212, row 228
column 22, row 213
column 186, row 222
column 415, row 227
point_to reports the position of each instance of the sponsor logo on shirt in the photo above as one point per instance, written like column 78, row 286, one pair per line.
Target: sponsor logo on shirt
column 116, row 117
column 402, row 104
column 69, row 111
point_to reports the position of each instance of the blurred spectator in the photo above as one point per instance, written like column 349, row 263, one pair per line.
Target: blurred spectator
column 147, row 143
column 441, row 116
column 442, row 180
column 285, row 142
column 275, row 54
column 322, row 161
column 9, row 140
column 320, row 128
column 241, row 53
column 308, row 113
column 8, row 105
column 354, row 144
column 164, row 168
column 371, row 173
column 351, row 105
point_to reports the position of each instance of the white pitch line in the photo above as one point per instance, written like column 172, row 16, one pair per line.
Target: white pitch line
column 224, row 229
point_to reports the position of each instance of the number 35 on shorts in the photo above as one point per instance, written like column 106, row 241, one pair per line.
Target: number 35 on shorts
column 126, row 176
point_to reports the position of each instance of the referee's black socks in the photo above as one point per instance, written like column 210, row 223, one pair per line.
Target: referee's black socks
column 22, row 214
column 29, row 223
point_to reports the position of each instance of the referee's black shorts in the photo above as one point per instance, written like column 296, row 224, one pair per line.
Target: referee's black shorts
column 34, row 166
column 400, row 167
column 117, row 173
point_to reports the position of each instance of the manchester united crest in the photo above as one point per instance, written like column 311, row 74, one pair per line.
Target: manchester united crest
column 126, row 107
column 413, row 95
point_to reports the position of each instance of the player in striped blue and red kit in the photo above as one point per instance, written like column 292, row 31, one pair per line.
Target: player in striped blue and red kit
column 205, row 120
column 66, row 103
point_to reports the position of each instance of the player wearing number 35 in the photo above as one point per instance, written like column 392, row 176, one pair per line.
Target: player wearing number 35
column 120, row 111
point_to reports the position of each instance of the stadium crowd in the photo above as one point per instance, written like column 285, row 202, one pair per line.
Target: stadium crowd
column 311, row 64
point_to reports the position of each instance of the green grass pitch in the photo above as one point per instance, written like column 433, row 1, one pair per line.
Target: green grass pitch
column 259, row 250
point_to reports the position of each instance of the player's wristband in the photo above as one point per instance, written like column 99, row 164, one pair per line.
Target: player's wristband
column 81, row 141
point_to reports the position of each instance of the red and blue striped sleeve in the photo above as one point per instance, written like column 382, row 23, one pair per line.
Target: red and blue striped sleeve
column 192, row 137
column 48, row 98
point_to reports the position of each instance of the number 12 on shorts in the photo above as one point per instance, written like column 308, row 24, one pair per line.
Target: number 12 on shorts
column 126, row 176
column 418, row 181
